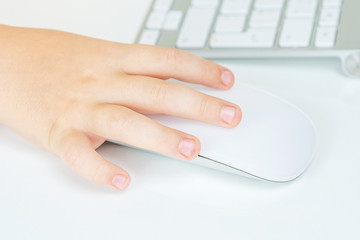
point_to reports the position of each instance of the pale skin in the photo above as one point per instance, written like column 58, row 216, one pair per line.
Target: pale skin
column 69, row 93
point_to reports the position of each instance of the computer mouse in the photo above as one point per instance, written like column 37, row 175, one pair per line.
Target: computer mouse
column 274, row 141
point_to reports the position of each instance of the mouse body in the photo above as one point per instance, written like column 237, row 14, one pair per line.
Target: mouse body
column 274, row 141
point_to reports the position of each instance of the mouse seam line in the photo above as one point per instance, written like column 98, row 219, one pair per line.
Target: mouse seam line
column 242, row 170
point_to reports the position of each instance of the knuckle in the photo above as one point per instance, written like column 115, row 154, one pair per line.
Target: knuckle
column 210, row 72
column 72, row 156
column 114, row 119
column 88, row 78
column 159, row 93
column 206, row 70
column 90, row 82
column 99, row 173
column 173, row 57
column 204, row 106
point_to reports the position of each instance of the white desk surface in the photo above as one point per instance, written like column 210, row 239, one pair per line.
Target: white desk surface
column 40, row 198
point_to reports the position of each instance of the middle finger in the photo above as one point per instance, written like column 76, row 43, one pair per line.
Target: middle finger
column 153, row 95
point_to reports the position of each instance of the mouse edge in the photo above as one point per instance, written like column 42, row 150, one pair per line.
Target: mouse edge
column 219, row 166
column 215, row 165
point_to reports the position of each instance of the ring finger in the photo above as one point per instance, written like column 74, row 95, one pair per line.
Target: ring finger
column 126, row 126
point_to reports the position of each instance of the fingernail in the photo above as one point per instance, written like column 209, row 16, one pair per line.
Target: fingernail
column 120, row 181
column 227, row 77
column 187, row 147
column 227, row 114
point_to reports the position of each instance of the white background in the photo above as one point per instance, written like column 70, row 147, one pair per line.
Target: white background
column 40, row 198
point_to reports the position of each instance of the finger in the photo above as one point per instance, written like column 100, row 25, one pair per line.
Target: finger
column 147, row 94
column 165, row 63
column 76, row 150
column 124, row 125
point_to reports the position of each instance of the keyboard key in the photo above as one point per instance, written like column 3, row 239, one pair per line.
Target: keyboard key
column 235, row 7
column 269, row 4
column 149, row 37
column 265, row 18
column 325, row 37
column 253, row 38
column 296, row 32
column 173, row 20
column 155, row 20
column 329, row 17
column 163, row 5
column 196, row 27
column 331, row 3
column 301, row 8
column 232, row 23
column 205, row 3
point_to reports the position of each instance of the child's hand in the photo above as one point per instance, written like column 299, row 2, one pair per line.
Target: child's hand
column 70, row 93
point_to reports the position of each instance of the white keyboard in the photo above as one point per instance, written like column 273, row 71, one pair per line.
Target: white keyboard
column 258, row 28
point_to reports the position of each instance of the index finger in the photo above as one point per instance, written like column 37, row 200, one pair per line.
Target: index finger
column 165, row 63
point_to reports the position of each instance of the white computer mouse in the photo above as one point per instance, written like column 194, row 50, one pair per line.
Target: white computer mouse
column 274, row 141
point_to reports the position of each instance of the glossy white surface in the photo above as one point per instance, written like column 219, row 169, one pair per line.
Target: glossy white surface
column 40, row 198
column 274, row 141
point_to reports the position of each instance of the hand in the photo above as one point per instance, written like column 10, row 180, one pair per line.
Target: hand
column 69, row 93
